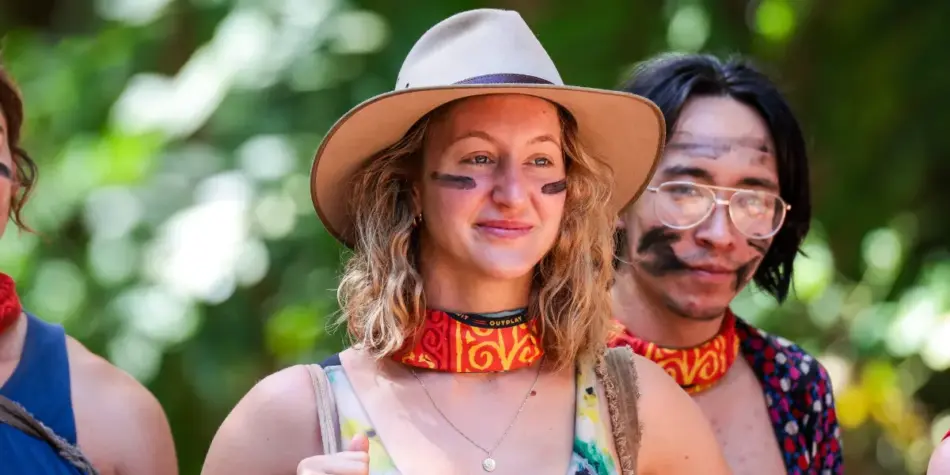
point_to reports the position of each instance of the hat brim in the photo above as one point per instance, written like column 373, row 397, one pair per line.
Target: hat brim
column 624, row 130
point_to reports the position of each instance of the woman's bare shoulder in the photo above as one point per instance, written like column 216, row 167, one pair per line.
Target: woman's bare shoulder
column 271, row 429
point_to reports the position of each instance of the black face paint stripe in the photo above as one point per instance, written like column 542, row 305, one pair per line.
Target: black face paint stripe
column 5, row 171
column 554, row 188
column 744, row 272
column 658, row 243
column 687, row 171
column 656, row 246
column 456, row 182
column 656, row 237
column 686, row 140
column 713, row 151
column 761, row 245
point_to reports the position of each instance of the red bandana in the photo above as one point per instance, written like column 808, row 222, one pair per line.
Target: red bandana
column 10, row 308
column 472, row 343
column 695, row 369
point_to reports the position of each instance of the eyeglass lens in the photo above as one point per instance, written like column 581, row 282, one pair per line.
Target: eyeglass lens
column 756, row 214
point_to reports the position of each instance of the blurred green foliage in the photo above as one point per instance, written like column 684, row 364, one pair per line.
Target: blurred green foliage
column 174, row 139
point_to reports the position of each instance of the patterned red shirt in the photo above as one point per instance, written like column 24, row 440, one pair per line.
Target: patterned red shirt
column 800, row 402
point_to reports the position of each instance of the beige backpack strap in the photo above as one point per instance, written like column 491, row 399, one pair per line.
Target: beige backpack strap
column 326, row 410
column 16, row 416
column 621, row 386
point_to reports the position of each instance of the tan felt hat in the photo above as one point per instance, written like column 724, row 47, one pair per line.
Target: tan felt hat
column 473, row 53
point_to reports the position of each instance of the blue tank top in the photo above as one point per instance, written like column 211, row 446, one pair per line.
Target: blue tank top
column 40, row 383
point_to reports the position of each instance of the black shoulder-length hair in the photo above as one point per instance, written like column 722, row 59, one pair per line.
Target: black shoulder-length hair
column 670, row 80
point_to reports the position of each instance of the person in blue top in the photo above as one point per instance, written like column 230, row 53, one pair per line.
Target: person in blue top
column 63, row 410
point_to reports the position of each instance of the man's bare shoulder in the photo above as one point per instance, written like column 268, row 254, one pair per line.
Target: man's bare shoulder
column 284, row 399
column 677, row 438
column 271, row 429
column 113, row 410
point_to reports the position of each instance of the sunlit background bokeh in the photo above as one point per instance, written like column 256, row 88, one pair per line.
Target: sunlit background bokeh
column 177, row 239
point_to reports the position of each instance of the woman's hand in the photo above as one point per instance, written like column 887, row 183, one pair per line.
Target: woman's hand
column 354, row 461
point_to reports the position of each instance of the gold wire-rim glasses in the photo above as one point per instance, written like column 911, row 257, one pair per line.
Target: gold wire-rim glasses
column 710, row 191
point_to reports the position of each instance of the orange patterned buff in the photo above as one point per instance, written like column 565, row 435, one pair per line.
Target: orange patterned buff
column 695, row 369
column 10, row 308
column 474, row 343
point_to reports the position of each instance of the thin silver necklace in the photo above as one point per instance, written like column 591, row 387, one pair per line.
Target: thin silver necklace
column 488, row 464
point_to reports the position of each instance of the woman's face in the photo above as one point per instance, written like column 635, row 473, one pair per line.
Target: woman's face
column 7, row 173
column 492, row 187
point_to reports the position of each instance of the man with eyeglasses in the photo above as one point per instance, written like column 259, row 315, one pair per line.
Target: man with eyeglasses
column 729, row 204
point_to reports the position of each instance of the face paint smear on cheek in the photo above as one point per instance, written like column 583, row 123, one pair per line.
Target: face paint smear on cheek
column 744, row 272
column 455, row 182
column 761, row 245
column 554, row 187
column 5, row 171
column 656, row 251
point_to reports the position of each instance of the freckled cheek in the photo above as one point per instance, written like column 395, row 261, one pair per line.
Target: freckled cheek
column 448, row 207
column 551, row 208
column 5, row 199
column 641, row 212
column 640, row 220
column 6, row 190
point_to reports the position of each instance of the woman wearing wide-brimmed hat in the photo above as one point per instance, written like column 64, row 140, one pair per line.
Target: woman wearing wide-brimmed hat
column 479, row 198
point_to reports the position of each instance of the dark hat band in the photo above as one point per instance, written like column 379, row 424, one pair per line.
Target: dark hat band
column 504, row 78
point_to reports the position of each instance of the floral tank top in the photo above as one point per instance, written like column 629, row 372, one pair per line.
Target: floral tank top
column 591, row 454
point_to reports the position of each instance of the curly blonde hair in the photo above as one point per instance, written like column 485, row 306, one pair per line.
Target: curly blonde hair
column 381, row 292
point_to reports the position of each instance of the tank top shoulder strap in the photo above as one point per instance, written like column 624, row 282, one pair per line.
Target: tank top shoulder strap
column 41, row 381
column 592, row 436
column 353, row 418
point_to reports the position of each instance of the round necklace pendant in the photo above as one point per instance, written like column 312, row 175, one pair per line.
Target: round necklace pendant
column 488, row 464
